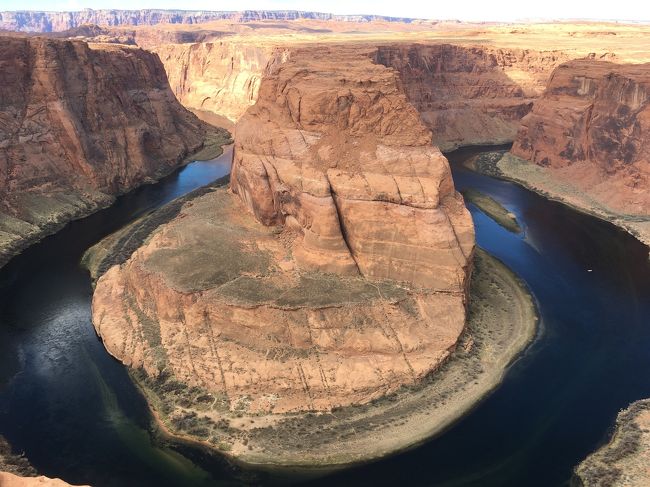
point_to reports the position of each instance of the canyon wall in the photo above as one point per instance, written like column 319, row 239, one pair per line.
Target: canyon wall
column 33, row 21
column 220, row 77
column 79, row 125
column 465, row 95
column 336, row 273
column 470, row 95
column 590, row 129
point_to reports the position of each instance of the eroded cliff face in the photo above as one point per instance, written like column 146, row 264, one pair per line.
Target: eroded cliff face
column 77, row 126
column 220, row 77
column 464, row 95
column 470, row 95
column 335, row 274
column 335, row 150
column 590, row 129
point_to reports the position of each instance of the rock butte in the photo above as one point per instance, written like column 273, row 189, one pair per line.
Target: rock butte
column 78, row 125
column 351, row 278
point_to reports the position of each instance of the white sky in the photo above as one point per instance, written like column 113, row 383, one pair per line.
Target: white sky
column 505, row 10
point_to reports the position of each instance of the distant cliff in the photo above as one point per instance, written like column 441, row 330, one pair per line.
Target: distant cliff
column 78, row 126
column 470, row 95
column 30, row 21
column 590, row 128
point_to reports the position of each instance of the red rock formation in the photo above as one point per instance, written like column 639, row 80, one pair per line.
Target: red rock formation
column 79, row 125
column 349, row 281
column 335, row 150
column 590, row 129
column 470, row 95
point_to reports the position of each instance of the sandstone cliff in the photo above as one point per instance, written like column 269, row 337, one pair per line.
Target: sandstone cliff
column 33, row 21
column 588, row 137
column 220, row 77
column 470, row 95
column 465, row 95
column 79, row 125
column 337, row 273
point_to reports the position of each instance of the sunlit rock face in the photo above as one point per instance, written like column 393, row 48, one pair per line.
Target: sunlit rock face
column 332, row 273
column 335, row 150
column 79, row 125
column 590, row 127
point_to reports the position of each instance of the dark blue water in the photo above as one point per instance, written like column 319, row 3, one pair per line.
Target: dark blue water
column 63, row 400
column 75, row 413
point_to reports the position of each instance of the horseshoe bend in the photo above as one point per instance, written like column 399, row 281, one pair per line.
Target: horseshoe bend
column 333, row 272
column 346, row 272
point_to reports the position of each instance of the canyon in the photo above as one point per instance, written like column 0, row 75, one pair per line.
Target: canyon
column 312, row 159
column 335, row 273
column 79, row 125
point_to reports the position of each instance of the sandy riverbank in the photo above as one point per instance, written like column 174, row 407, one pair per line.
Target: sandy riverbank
column 502, row 322
column 625, row 459
column 552, row 186
column 493, row 209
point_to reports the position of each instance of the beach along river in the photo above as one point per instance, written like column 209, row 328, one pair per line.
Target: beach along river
column 75, row 413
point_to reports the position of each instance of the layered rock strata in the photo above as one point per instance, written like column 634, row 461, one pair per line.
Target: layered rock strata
column 334, row 150
column 78, row 125
column 33, row 21
column 470, row 95
column 587, row 137
column 464, row 95
column 335, row 274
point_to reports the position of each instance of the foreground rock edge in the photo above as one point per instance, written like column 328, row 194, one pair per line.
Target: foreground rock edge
column 16, row 471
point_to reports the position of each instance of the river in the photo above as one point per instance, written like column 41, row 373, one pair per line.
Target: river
column 75, row 413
